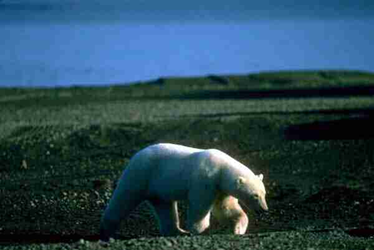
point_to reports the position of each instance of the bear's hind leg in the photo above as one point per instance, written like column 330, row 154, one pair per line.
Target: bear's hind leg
column 168, row 218
column 119, row 207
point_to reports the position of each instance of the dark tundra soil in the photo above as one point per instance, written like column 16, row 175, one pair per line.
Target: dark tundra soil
column 310, row 133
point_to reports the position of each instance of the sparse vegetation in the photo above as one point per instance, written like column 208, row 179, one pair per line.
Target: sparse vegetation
column 310, row 133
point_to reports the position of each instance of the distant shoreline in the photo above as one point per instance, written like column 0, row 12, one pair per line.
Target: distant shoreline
column 107, row 53
column 218, row 78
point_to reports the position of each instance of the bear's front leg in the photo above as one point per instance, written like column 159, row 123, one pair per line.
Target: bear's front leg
column 200, row 205
column 228, row 211
column 168, row 218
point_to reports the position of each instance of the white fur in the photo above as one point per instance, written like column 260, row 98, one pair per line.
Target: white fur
column 164, row 174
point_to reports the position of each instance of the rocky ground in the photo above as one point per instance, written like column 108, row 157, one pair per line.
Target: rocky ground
column 309, row 133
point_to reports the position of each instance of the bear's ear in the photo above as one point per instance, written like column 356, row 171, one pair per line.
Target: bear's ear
column 240, row 181
column 260, row 176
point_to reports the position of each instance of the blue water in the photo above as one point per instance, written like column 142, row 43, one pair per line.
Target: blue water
column 90, row 53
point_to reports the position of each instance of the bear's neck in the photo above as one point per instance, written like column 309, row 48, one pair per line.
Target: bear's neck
column 230, row 175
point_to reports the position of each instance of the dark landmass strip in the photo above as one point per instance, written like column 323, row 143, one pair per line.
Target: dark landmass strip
column 309, row 132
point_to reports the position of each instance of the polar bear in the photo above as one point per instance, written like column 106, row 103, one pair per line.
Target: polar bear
column 209, row 180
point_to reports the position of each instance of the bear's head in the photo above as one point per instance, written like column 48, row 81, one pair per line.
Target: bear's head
column 251, row 192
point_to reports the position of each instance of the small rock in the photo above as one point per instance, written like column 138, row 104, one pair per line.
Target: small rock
column 24, row 164
column 168, row 243
column 97, row 195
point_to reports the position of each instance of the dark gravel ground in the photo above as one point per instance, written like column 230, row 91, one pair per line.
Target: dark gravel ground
column 278, row 240
column 62, row 150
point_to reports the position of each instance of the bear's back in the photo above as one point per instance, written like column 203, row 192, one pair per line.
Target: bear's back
column 160, row 155
column 166, row 151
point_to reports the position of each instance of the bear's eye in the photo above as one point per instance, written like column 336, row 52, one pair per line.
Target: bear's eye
column 256, row 196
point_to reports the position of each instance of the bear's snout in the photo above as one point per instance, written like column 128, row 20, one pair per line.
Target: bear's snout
column 263, row 204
